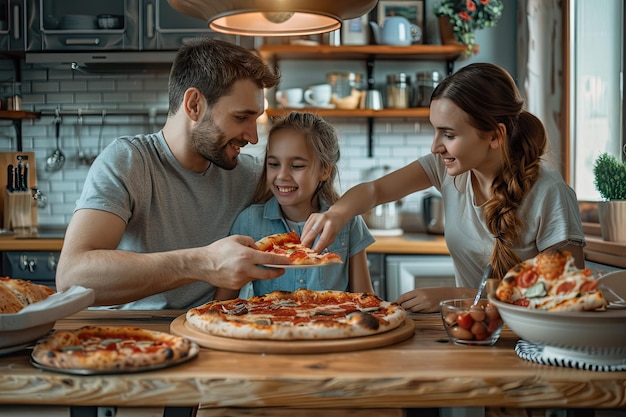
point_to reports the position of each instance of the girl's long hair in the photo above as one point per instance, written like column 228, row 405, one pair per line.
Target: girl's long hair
column 489, row 96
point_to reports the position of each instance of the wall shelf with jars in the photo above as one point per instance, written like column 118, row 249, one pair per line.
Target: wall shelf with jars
column 369, row 53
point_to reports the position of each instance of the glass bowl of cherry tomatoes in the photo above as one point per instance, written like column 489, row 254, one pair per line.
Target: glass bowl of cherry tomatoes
column 467, row 323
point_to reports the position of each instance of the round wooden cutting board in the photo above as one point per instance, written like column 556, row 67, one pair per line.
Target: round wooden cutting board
column 180, row 327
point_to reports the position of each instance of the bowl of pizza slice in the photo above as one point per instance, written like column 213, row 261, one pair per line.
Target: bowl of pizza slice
column 560, row 308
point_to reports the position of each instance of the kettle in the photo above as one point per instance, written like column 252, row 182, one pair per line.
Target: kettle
column 397, row 31
column 433, row 213
column 384, row 216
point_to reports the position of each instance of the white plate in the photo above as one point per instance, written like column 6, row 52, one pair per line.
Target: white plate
column 38, row 319
column 584, row 335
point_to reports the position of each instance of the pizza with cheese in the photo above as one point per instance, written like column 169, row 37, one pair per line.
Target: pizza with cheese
column 551, row 281
column 110, row 349
column 299, row 315
column 289, row 245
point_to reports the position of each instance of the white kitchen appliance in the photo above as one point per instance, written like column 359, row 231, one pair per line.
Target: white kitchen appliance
column 407, row 272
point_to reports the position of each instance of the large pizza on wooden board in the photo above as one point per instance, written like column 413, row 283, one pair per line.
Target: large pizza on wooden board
column 299, row 315
column 289, row 245
column 101, row 348
column 551, row 281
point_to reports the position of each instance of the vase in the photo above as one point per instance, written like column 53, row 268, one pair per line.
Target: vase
column 612, row 216
column 446, row 32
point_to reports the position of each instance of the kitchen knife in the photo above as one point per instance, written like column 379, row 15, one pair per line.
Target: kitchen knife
column 10, row 178
column 16, row 179
column 25, row 177
column 20, row 167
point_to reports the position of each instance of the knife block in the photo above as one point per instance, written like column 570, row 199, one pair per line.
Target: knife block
column 18, row 211
column 7, row 158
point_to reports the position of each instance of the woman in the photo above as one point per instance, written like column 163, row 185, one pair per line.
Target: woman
column 502, row 204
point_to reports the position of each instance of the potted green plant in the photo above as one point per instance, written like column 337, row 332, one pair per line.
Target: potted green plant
column 610, row 181
column 466, row 16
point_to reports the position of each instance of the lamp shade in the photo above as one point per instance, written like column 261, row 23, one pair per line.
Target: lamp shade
column 274, row 17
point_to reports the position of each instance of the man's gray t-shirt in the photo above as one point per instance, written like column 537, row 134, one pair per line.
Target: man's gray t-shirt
column 166, row 206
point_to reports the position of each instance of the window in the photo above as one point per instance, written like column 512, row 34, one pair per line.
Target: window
column 596, row 95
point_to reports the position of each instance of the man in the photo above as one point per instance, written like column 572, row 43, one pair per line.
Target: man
column 148, row 231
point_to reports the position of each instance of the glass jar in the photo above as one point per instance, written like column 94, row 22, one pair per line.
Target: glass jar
column 347, row 89
column 344, row 82
column 426, row 81
column 11, row 96
column 398, row 90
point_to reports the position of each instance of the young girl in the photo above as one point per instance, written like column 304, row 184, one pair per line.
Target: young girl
column 297, row 180
column 502, row 204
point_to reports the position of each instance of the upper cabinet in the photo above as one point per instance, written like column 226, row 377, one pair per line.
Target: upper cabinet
column 12, row 25
column 69, row 25
column 164, row 28
column 112, row 25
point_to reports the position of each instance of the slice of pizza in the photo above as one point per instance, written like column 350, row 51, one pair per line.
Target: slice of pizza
column 551, row 281
column 288, row 244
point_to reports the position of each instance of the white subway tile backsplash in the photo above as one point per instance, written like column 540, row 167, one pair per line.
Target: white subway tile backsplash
column 396, row 142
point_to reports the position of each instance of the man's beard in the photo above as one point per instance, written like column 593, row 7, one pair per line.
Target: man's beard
column 210, row 141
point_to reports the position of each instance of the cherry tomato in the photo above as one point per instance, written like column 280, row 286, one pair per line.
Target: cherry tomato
column 565, row 287
column 479, row 329
column 522, row 302
column 450, row 318
column 493, row 325
column 461, row 333
column 527, row 278
column 465, row 321
column 589, row 286
column 491, row 312
column 477, row 313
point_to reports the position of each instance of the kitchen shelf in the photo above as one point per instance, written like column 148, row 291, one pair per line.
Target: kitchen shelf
column 448, row 53
column 16, row 116
column 421, row 112
column 370, row 54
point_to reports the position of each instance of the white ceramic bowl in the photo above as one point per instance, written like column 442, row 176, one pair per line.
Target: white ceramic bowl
column 586, row 335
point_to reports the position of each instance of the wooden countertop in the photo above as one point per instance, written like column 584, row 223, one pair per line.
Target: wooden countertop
column 597, row 250
column 410, row 244
column 424, row 371
column 422, row 244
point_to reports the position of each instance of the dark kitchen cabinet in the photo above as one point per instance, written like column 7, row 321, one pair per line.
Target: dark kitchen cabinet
column 12, row 25
column 75, row 25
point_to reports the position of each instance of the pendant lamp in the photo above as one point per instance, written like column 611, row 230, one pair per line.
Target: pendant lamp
column 274, row 17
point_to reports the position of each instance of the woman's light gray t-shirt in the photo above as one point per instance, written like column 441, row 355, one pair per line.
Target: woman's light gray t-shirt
column 166, row 206
column 549, row 211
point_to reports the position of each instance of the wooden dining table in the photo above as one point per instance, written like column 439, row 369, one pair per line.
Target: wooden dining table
column 424, row 371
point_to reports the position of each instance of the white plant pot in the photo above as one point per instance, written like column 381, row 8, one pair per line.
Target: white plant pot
column 612, row 216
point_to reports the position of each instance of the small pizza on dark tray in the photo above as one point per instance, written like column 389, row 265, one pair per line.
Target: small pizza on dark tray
column 111, row 349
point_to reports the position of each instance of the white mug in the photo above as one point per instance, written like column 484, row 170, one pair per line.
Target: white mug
column 290, row 97
column 318, row 95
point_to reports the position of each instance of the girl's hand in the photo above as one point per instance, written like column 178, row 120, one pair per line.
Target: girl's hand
column 326, row 225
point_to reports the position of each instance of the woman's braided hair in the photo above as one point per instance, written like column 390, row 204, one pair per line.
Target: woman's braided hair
column 489, row 97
